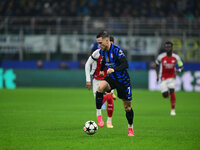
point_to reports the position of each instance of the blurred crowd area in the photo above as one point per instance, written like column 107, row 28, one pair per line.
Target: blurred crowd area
column 50, row 22
column 102, row 8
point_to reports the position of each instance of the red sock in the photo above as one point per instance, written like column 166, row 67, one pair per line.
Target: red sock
column 110, row 105
column 173, row 100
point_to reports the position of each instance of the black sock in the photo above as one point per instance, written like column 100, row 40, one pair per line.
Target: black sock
column 99, row 100
column 129, row 116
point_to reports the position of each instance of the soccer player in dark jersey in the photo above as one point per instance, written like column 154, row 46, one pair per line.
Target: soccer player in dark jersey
column 95, row 60
column 117, row 77
column 168, row 61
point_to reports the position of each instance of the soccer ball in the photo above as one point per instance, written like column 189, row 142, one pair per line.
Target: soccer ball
column 90, row 127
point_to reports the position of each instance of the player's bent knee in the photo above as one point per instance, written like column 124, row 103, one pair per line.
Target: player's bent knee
column 102, row 87
column 127, row 105
column 99, row 89
column 128, row 108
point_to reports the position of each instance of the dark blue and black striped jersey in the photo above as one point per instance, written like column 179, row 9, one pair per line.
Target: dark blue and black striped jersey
column 115, row 58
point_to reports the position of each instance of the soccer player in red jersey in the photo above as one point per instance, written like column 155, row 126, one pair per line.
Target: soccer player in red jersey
column 168, row 61
column 95, row 60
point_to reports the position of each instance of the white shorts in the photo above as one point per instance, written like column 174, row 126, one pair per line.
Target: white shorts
column 95, row 84
column 168, row 84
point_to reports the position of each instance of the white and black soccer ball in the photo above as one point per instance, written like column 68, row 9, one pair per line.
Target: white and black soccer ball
column 90, row 127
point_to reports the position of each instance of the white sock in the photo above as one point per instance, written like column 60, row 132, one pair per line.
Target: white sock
column 98, row 112
column 130, row 126
column 109, row 119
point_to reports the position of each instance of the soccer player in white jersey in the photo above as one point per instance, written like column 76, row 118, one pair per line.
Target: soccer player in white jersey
column 95, row 60
column 168, row 61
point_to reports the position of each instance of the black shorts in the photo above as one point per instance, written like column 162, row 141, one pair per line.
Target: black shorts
column 123, row 91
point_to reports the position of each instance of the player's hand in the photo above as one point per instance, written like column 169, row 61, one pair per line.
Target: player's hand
column 88, row 85
column 114, row 96
column 101, row 73
column 110, row 70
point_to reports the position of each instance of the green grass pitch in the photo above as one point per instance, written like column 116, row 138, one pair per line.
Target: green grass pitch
column 53, row 119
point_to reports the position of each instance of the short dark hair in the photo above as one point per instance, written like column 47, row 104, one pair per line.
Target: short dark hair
column 102, row 34
column 112, row 38
column 169, row 43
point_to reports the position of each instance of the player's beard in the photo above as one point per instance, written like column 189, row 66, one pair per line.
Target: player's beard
column 105, row 48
